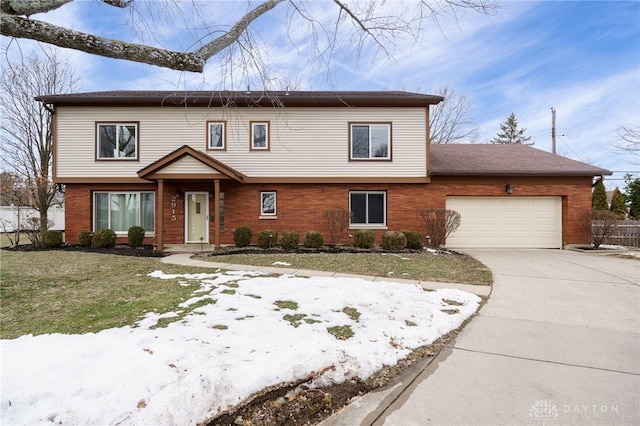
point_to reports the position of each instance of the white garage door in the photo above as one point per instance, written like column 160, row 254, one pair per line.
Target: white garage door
column 518, row 222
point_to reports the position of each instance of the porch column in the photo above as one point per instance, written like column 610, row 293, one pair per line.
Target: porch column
column 159, row 216
column 216, row 213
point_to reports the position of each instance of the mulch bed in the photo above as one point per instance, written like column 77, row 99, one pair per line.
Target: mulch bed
column 122, row 250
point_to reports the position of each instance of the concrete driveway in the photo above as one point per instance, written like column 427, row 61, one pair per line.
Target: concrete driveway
column 558, row 343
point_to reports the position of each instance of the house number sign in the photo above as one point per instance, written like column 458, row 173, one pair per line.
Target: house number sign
column 174, row 204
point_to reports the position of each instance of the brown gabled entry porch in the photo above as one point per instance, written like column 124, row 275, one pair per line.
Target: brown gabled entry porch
column 188, row 173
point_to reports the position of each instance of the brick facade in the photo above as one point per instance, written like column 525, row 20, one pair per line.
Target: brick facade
column 300, row 207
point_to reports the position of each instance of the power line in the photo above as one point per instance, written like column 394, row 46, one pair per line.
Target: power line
column 570, row 149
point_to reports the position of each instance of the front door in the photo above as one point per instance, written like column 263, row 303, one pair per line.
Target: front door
column 196, row 217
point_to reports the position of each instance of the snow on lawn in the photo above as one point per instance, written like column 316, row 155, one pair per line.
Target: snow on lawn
column 219, row 353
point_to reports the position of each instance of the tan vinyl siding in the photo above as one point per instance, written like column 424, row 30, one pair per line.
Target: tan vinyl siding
column 187, row 165
column 304, row 142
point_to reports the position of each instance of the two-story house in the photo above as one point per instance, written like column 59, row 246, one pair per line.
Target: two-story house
column 190, row 167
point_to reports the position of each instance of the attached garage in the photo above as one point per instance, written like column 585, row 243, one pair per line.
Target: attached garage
column 507, row 222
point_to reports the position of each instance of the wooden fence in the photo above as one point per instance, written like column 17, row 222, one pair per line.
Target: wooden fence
column 627, row 233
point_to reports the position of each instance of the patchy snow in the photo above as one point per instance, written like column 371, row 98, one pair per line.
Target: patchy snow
column 281, row 263
column 216, row 355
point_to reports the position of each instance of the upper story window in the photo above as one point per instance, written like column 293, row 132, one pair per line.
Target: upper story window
column 370, row 141
column 117, row 141
column 217, row 135
column 259, row 135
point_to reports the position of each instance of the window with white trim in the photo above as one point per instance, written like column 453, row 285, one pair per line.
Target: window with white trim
column 217, row 135
column 370, row 141
column 119, row 211
column 117, row 141
column 268, row 203
column 368, row 208
column 259, row 135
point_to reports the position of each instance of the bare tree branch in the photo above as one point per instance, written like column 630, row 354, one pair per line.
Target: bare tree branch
column 220, row 43
column 449, row 120
column 118, row 3
column 30, row 7
column 629, row 145
column 17, row 26
column 373, row 21
column 358, row 21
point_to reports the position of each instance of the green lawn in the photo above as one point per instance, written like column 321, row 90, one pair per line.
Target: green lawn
column 418, row 266
column 70, row 292
column 74, row 292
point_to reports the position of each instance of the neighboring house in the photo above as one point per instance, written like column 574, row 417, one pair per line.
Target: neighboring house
column 191, row 167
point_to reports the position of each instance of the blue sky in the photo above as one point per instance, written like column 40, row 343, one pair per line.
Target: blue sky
column 581, row 58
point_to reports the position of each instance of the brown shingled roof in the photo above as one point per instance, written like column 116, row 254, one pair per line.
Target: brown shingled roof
column 503, row 160
column 242, row 98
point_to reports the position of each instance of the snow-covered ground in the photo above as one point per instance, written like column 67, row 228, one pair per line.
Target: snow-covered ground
column 218, row 354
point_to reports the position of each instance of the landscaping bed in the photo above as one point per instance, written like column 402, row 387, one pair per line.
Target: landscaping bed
column 122, row 250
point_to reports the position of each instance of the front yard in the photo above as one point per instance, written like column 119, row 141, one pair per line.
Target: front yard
column 426, row 266
column 183, row 345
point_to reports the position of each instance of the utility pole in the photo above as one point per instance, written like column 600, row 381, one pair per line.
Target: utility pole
column 553, row 130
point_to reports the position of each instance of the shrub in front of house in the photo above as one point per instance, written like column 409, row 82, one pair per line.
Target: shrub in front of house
column 414, row 240
column 313, row 239
column 337, row 221
column 267, row 238
column 364, row 238
column 439, row 224
column 290, row 240
column 85, row 238
column 52, row 239
column 135, row 236
column 104, row 238
column 394, row 241
column 242, row 236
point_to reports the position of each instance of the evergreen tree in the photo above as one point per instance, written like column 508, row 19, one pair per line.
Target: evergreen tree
column 511, row 134
column 618, row 205
column 632, row 194
column 599, row 197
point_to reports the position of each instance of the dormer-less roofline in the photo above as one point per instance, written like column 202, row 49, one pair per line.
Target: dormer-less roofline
column 244, row 99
